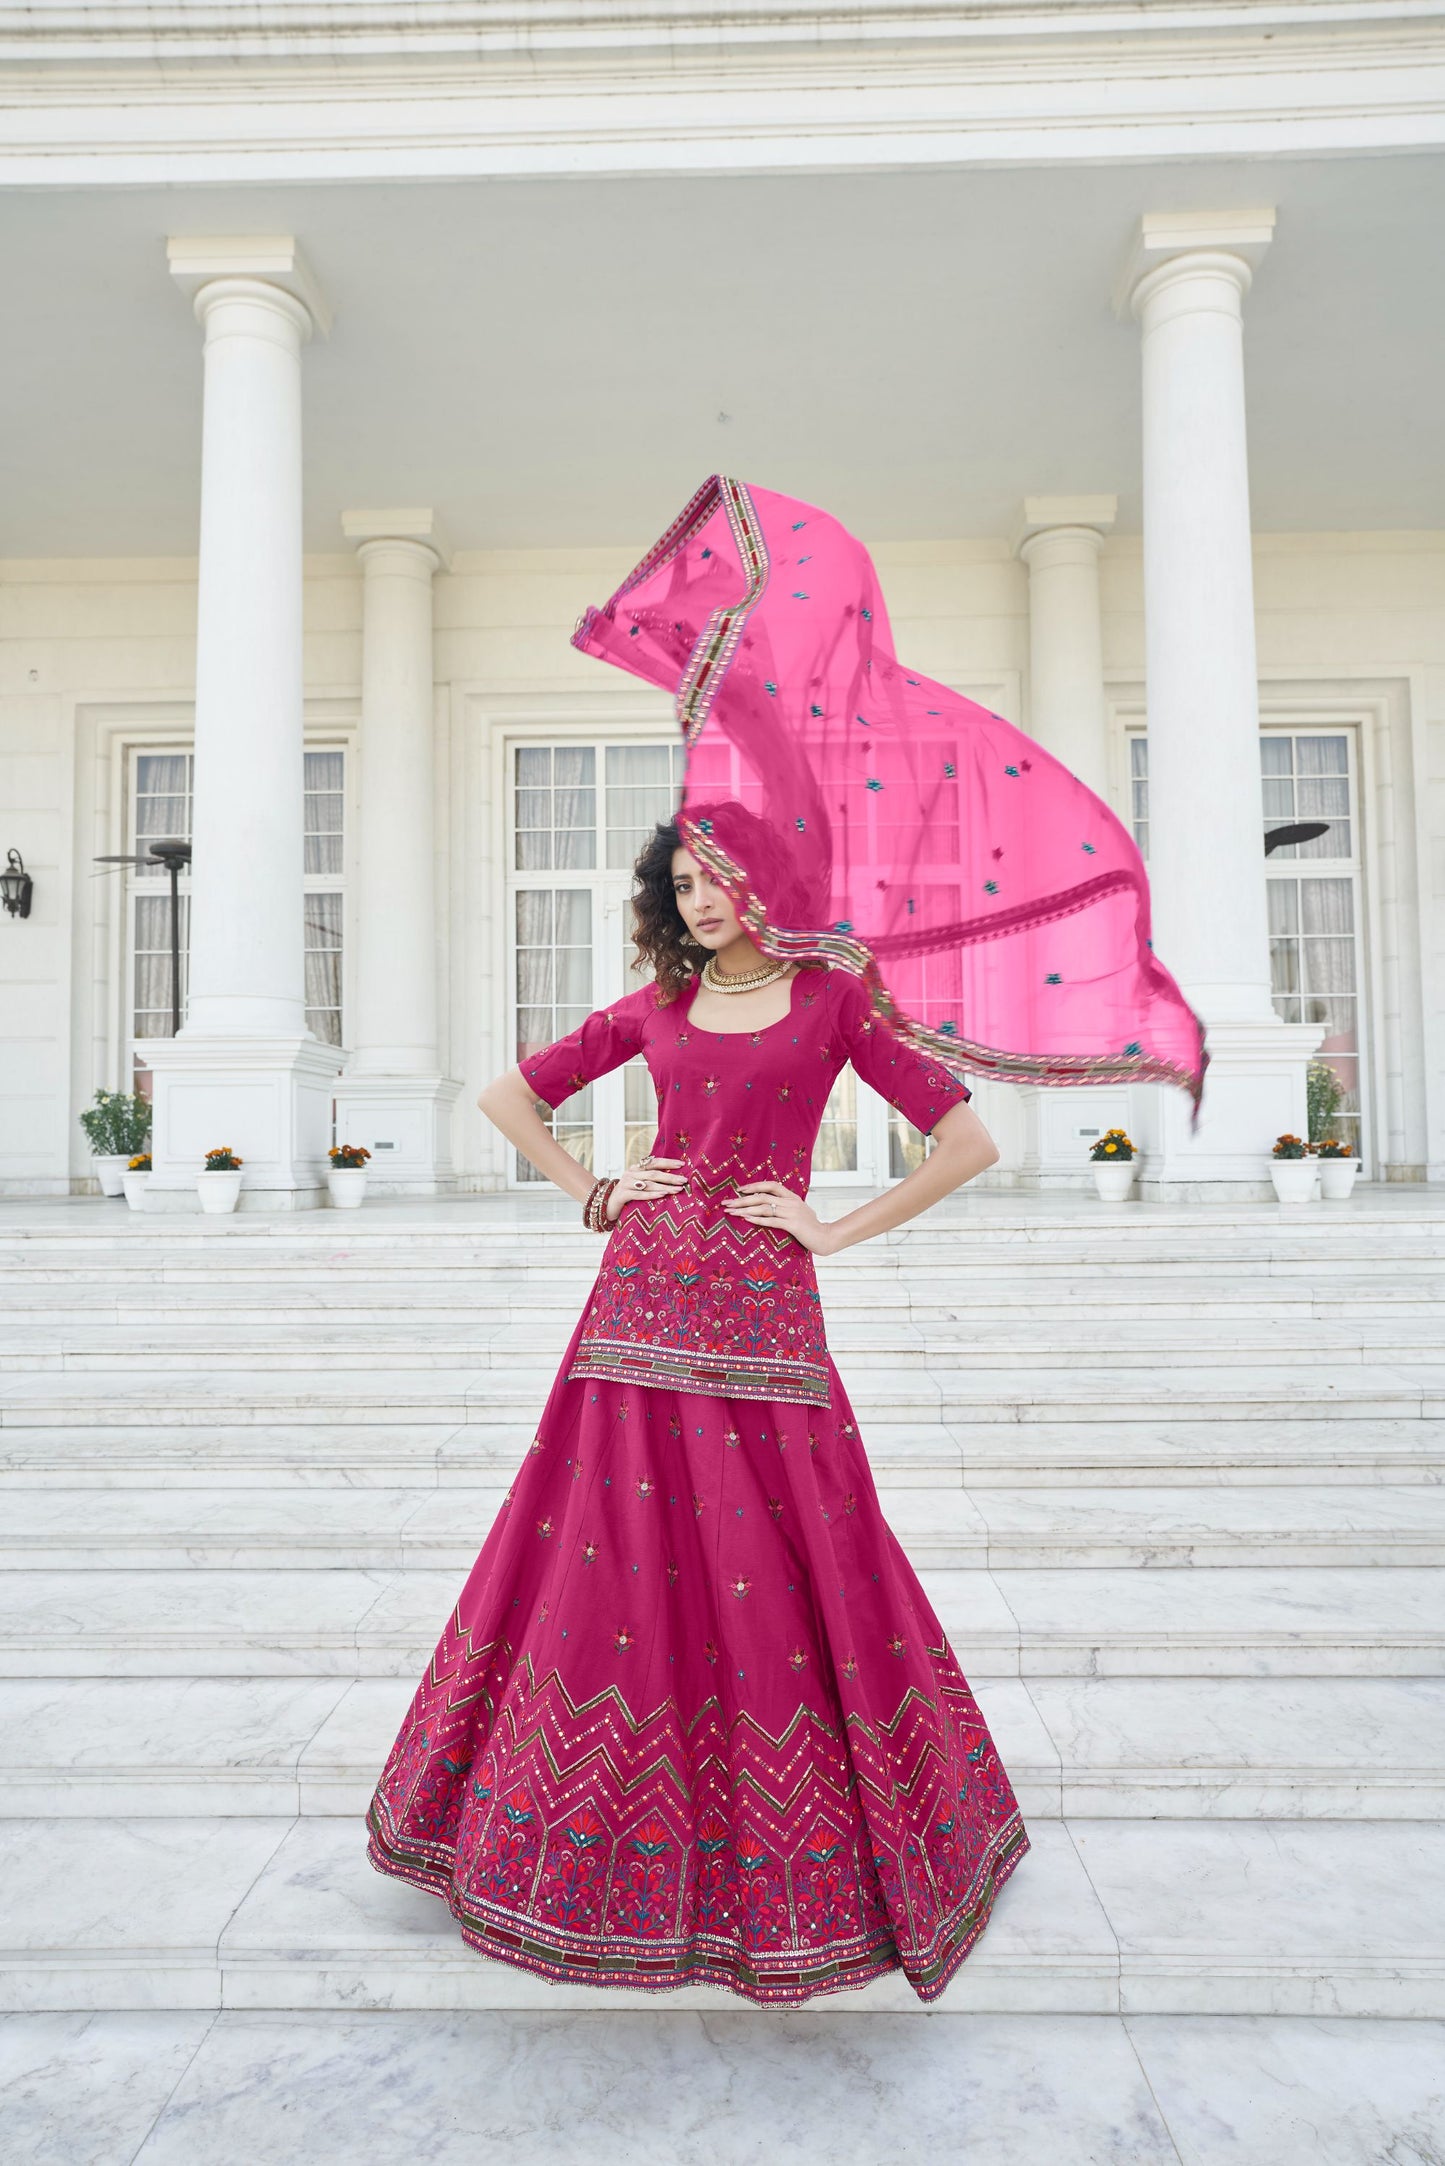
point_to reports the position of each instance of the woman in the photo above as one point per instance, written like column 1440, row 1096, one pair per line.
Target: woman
column 694, row 1719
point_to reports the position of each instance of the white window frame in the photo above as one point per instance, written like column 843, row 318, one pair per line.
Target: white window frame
column 1280, row 718
column 610, row 980
column 172, row 741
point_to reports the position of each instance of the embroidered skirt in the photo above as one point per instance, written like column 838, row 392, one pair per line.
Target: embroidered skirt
column 693, row 1720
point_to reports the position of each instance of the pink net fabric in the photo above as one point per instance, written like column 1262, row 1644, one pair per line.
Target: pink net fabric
column 862, row 815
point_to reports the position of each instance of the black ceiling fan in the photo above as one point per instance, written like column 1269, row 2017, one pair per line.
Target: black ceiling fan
column 172, row 855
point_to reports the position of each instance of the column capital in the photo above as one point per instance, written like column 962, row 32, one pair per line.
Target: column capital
column 272, row 264
column 412, row 527
column 1228, row 242
column 1086, row 518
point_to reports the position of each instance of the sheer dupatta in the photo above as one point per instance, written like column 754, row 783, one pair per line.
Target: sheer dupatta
column 864, row 816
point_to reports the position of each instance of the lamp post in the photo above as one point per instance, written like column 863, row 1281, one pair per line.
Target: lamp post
column 173, row 855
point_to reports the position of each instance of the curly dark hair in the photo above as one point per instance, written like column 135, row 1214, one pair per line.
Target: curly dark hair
column 658, row 931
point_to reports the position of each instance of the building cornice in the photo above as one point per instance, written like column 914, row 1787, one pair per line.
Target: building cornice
column 276, row 30
column 461, row 88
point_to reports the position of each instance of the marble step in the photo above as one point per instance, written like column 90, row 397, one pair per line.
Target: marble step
column 960, row 1257
column 1207, row 1916
column 1136, row 1748
column 1018, row 1298
column 540, row 1215
column 1021, row 1391
column 1170, row 1621
column 361, row 1529
column 667, row 2087
column 929, row 1453
column 1209, row 1242
column 903, row 1343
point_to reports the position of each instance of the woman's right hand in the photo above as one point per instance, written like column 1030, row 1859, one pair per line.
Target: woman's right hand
column 649, row 1177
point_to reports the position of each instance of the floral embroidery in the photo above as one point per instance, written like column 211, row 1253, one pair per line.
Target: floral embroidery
column 623, row 1638
column 590, row 1552
column 645, row 1488
column 798, row 1659
column 740, row 1586
column 544, row 1529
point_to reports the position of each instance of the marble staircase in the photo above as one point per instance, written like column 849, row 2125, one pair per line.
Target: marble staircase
column 1175, row 1480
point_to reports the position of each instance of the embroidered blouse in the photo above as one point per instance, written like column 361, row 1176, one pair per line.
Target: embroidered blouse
column 686, row 1295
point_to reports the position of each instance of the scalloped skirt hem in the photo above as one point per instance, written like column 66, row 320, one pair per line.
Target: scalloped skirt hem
column 521, row 1945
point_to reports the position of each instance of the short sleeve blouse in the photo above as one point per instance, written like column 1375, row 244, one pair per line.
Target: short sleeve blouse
column 687, row 1296
column 920, row 1088
column 603, row 1042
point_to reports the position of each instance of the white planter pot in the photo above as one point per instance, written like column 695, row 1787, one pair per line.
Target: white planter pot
column 1293, row 1178
column 135, row 1185
column 347, row 1185
column 1337, row 1177
column 109, row 1171
column 218, row 1191
column 1113, row 1183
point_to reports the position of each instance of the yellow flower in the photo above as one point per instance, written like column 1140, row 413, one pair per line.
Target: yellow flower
column 1111, row 1146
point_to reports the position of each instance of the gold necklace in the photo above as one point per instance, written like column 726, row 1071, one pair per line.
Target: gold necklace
column 745, row 982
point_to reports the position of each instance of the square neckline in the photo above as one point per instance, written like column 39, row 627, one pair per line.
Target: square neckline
column 763, row 1029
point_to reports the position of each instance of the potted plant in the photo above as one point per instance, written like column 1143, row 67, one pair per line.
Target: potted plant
column 136, row 1179
column 1324, row 1095
column 220, row 1184
column 1338, row 1167
column 116, row 1127
column 1292, row 1169
column 1112, row 1158
column 346, row 1175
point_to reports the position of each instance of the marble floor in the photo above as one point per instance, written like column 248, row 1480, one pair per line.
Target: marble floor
column 1174, row 1476
column 672, row 2089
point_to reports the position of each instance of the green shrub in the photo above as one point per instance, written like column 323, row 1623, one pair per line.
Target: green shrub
column 117, row 1125
column 1324, row 1095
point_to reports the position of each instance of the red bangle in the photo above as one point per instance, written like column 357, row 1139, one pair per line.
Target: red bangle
column 594, row 1210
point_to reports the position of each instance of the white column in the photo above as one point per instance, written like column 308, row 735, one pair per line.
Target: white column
column 394, row 1098
column 1060, row 543
column 1186, row 285
column 246, row 924
column 245, row 1071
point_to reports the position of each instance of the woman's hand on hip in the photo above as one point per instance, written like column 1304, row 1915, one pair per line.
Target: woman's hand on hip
column 771, row 1203
column 650, row 1177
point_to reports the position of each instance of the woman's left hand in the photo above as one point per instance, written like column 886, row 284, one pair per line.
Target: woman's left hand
column 770, row 1203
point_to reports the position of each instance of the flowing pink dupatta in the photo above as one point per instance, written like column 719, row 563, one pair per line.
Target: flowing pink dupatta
column 864, row 816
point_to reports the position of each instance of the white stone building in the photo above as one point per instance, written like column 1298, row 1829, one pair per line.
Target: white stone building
column 350, row 353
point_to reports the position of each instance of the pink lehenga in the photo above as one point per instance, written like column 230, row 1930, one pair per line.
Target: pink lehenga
column 693, row 1718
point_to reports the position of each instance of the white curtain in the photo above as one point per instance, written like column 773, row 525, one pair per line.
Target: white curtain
column 323, row 966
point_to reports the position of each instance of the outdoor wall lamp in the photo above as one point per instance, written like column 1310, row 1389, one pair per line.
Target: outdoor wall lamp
column 16, row 885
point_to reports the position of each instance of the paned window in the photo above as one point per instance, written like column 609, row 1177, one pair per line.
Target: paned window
column 161, row 811
column 1312, row 890
column 581, row 814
